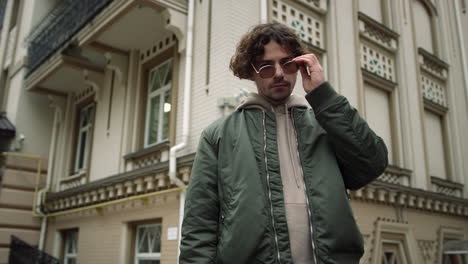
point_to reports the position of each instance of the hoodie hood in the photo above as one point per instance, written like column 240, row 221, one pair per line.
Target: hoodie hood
column 256, row 101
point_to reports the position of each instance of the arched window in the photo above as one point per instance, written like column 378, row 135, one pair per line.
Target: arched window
column 372, row 8
column 423, row 26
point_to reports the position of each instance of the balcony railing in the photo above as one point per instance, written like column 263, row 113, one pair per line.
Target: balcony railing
column 23, row 253
column 73, row 15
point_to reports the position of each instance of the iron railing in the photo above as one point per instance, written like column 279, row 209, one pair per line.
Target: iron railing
column 73, row 17
column 23, row 253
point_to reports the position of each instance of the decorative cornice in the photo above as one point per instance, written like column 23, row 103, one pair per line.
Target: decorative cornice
column 447, row 183
column 72, row 181
column 313, row 48
column 120, row 177
column 147, row 151
column 396, row 175
column 318, row 5
column 83, row 94
column 141, row 181
column 435, row 107
column 446, row 187
column 155, row 178
column 392, row 194
column 377, row 80
column 377, row 32
column 432, row 64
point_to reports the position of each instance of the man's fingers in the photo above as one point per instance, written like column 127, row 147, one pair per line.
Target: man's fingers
column 316, row 68
column 309, row 60
column 304, row 72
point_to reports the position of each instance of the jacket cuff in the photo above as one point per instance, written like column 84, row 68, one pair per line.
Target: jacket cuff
column 321, row 96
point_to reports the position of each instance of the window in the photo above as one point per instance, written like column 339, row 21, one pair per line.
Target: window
column 435, row 144
column 391, row 253
column 148, row 244
column 378, row 55
column 70, row 250
column 14, row 14
column 423, row 24
column 2, row 11
column 454, row 246
column 394, row 244
column 4, row 87
column 372, row 8
column 158, row 103
column 84, row 134
column 379, row 114
column 433, row 89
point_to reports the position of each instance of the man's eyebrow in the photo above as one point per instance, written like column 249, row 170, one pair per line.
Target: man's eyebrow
column 264, row 61
column 286, row 59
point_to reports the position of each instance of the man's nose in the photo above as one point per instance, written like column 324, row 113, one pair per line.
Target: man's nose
column 278, row 71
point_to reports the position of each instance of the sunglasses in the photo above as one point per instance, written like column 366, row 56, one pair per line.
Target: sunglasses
column 268, row 71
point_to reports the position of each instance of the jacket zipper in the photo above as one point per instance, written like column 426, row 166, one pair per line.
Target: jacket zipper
column 269, row 189
column 305, row 190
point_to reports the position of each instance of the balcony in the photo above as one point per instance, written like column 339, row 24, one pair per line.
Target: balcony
column 54, row 32
column 71, row 49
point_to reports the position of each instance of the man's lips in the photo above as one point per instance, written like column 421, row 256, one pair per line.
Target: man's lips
column 280, row 85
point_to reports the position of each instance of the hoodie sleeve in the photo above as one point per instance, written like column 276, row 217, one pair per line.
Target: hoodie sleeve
column 361, row 154
column 200, row 225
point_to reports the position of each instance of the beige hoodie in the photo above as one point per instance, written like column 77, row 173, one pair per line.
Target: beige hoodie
column 291, row 174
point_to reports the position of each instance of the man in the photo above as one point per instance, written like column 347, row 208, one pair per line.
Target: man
column 269, row 181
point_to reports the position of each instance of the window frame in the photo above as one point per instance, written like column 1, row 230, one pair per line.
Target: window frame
column 74, row 233
column 145, row 256
column 142, row 96
column 161, row 92
column 77, row 137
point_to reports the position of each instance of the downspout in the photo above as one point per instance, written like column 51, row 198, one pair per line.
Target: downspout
column 48, row 180
column 462, row 49
column 186, row 115
column 263, row 11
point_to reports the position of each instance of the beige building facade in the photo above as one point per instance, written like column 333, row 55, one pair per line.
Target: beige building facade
column 109, row 98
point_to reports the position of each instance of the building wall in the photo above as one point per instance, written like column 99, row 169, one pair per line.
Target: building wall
column 106, row 236
column 424, row 238
column 30, row 113
column 116, row 132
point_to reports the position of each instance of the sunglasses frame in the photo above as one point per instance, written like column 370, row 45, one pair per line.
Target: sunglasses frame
column 270, row 65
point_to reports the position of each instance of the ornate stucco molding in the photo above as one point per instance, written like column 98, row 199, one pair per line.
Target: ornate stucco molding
column 392, row 194
column 141, row 181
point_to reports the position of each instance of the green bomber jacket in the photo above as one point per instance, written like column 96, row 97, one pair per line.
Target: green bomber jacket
column 234, row 209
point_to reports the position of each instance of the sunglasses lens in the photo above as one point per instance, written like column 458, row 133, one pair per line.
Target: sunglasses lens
column 267, row 72
column 290, row 67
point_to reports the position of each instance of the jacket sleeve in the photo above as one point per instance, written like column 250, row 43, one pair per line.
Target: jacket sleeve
column 361, row 154
column 200, row 224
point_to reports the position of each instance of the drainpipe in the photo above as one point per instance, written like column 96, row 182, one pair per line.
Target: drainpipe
column 461, row 43
column 49, row 178
column 263, row 11
column 186, row 115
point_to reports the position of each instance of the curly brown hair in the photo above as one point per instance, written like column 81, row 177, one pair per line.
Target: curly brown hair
column 252, row 45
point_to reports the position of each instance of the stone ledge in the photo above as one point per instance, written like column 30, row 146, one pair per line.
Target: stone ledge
column 144, row 180
column 408, row 197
